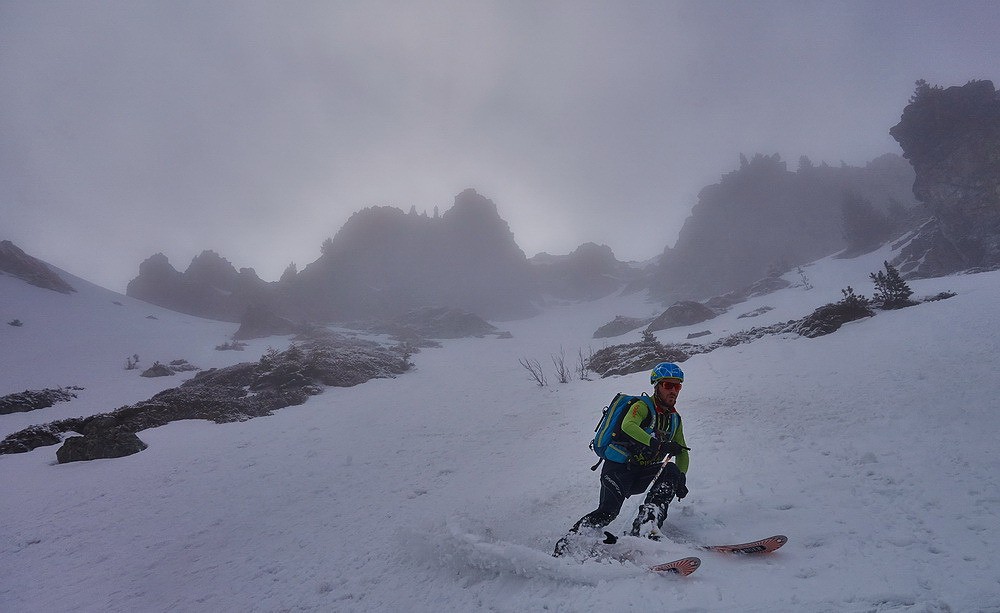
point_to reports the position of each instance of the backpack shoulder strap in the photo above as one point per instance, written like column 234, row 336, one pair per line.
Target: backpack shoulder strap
column 649, row 401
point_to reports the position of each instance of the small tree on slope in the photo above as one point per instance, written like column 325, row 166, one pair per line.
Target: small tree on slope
column 891, row 292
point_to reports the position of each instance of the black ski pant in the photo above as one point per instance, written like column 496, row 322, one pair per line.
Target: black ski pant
column 619, row 481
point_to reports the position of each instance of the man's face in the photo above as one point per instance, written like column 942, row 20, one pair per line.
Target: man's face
column 668, row 390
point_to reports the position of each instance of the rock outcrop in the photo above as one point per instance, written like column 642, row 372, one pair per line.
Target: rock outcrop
column 99, row 446
column 380, row 265
column 443, row 323
column 384, row 263
column 621, row 325
column 235, row 393
column 687, row 312
column 952, row 138
column 763, row 216
column 210, row 287
column 14, row 261
column 30, row 400
column 260, row 321
column 682, row 313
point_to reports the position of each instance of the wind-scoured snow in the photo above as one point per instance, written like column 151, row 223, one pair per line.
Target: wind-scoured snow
column 874, row 449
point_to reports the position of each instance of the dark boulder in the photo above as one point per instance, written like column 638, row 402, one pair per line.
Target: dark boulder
column 829, row 318
column 260, row 321
column 621, row 325
column 29, row 400
column 157, row 370
column 98, row 446
column 683, row 313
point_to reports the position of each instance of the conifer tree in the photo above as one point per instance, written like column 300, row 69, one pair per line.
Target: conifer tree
column 891, row 292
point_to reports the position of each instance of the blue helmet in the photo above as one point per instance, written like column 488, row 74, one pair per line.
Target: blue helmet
column 666, row 370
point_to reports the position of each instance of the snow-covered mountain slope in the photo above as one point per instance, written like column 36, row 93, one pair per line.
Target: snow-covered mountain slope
column 84, row 338
column 872, row 448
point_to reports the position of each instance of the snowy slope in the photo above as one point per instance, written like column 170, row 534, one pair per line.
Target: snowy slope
column 83, row 339
column 873, row 449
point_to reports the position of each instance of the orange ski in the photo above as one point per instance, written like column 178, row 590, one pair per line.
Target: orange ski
column 767, row 545
column 682, row 567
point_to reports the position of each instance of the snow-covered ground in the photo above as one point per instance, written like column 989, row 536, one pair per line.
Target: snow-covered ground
column 874, row 449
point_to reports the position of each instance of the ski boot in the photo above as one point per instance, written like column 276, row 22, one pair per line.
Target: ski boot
column 648, row 521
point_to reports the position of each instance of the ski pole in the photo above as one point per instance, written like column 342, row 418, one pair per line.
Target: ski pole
column 664, row 463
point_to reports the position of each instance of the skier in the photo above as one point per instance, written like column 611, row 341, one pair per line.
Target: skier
column 653, row 438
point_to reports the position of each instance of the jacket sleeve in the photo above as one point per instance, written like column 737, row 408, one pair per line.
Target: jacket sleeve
column 632, row 422
column 683, row 458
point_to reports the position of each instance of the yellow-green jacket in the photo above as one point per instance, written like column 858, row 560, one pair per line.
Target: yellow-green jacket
column 665, row 418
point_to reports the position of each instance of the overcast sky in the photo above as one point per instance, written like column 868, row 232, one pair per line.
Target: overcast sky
column 257, row 128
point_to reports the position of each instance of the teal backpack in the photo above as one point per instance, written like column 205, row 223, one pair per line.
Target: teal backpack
column 610, row 443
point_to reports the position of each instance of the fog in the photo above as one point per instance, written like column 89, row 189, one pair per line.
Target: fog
column 256, row 129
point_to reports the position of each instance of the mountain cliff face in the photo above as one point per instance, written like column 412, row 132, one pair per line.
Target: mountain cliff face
column 764, row 216
column 952, row 138
column 386, row 262
column 381, row 264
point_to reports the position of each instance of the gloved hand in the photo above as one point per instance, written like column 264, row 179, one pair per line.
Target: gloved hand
column 680, row 485
column 677, row 479
column 666, row 447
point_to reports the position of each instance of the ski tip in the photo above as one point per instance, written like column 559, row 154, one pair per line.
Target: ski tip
column 766, row 545
column 776, row 541
column 682, row 567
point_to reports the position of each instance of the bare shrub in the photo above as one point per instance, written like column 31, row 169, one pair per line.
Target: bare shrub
column 583, row 363
column 562, row 371
column 533, row 367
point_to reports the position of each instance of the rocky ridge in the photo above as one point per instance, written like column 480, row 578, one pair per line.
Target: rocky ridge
column 14, row 261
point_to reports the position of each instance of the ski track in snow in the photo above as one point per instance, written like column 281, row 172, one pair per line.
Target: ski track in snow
column 872, row 448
